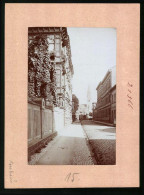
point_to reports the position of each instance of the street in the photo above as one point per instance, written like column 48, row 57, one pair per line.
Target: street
column 68, row 148
column 102, row 140
column 85, row 144
column 55, row 86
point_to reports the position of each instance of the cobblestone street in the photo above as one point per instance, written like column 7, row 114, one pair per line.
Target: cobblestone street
column 102, row 140
column 85, row 144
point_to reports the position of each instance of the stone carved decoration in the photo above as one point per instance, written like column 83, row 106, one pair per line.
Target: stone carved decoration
column 52, row 55
column 50, row 39
column 63, row 58
column 57, row 36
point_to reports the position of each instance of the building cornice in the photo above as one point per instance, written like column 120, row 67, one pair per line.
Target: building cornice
column 55, row 30
column 101, row 107
column 44, row 30
column 101, row 82
column 114, row 87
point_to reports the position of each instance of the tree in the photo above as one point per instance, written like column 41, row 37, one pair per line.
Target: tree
column 75, row 106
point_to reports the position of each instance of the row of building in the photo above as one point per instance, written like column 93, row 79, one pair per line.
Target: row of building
column 105, row 108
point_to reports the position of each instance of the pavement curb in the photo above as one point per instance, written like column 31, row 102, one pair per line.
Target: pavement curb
column 103, row 123
column 93, row 155
column 36, row 148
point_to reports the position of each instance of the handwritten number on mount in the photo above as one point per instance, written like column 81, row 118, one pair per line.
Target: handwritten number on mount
column 129, row 95
column 71, row 177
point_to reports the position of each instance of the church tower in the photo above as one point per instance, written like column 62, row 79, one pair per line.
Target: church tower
column 89, row 99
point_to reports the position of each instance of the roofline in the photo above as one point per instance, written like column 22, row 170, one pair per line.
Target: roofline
column 113, row 87
column 101, row 82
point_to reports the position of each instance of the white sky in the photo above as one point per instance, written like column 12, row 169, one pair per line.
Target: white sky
column 93, row 53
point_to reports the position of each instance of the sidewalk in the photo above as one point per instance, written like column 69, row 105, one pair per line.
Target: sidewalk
column 68, row 148
column 102, row 140
column 104, row 123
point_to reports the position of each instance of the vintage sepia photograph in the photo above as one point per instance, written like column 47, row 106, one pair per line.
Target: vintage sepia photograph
column 71, row 96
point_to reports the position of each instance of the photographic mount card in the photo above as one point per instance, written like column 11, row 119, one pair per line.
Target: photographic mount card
column 59, row 172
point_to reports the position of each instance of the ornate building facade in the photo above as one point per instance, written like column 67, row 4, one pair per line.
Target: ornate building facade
column 50, row 68
column 106, row 98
